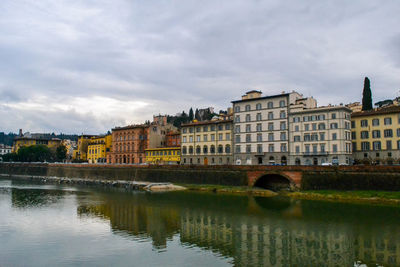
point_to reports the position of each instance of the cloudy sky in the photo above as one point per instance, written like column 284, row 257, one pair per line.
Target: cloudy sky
column 85, row 66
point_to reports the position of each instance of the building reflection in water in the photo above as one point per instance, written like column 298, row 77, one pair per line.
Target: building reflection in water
column 257, row 232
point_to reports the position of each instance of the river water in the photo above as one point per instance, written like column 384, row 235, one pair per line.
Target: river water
column 59, row 225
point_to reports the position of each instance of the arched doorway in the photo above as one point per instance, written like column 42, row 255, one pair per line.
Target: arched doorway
column 205, row 161
column 297, row 162
column 283, row 160
column 271, row 160
column 274, row 182
column 315, row 161
column 260, row 160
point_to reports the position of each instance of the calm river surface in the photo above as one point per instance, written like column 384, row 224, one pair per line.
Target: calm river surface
column 53, row 225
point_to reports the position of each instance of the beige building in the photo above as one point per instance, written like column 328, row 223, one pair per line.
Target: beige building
column 319, row 135
column 261, row 127
column 207, row 142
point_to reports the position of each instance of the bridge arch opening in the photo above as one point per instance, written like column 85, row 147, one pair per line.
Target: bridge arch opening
column 274, row 182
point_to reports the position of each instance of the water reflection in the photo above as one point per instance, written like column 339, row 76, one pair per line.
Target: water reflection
column 257, row 231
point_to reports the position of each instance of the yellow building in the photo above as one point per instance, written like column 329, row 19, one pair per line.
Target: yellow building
column 29, row 141
column 376, row 135
column 80, row 153
column 98, row 148
column 165, row 155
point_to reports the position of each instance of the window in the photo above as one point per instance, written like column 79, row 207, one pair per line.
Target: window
column 270, row 105
column 334, row 125
column 398, row 144
column 227, row 127
column 271, row 148
column 376, row 134
column 306, row 127
column 354, row 146
column 307, row 137
column 237, row 149
column 376, row 145
column 322, row 147
column 191, row 139
column 364, row 135
column 237, row 129
column 212, row 149
column 333, row 116
column 307, row 147
column 220, row 137
column 270, row 137
column 190, row 150
column 315, row 148
column 248, row 138
column 220, row 149
column 228, row 136
column 220, row 127
column 334, row 136
column 365, row 146
column 248, row 148
column 248, row 117
column 283, row 148
column 190, row 130
column 213, row 137
column 184, row 150
column 375, row 122
column 184, row 130
column 259, row 149
column 270, row 126
column 259, row 137
column 353, row 124
column 258, row 106
column 270, row 115
column 248, row 128
column 228, row 149
column 237, row 108
column 205, row 149
column 259, row 127
column 388, row 133
column 258, row 116
column 247, row 108
column 334, row 148
column 314, row 126
column 282, row 114
column 198, row 138
column 198, row 129
column 296, row 128
column 387, row 121
column 282, row 103
column 297, row 149
column 353, row 135
column 283, row 125
column 364, row 123
column 212, row 128
column 237, row 118
column 398, row 132
column 237, row 138
column 205, row 128
column 296, row 119
column 388, row 144
column 321, row 126
column 184, row 139
column 283, row 136
column 314, row 137
column 296, row 138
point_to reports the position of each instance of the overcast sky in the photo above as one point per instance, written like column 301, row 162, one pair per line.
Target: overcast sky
column 85, row 66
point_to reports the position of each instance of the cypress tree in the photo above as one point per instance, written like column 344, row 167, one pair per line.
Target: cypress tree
column 367, row 95
column 197, row 115
column 191, row 115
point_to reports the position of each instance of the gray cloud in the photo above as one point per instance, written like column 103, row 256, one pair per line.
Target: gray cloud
column 139, row 58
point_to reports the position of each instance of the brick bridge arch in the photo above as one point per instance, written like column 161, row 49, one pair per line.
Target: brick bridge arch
column 259, row 178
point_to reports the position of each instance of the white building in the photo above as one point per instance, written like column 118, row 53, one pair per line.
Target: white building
column 261, row 127
column 4, row 149
column 319, row 135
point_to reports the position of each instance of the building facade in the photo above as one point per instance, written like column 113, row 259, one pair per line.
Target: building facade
column 173, row 139
column 163, row 155
column 319, row 135
column 19, row 142
column 260, row 125
column 376, row 135
column 129, row 142
column 4, row 149
column 80, row 153
column 207, row 142
column 98, row 148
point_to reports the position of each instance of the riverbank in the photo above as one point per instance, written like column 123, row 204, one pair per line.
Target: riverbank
column 356, row 196
column 238, row 190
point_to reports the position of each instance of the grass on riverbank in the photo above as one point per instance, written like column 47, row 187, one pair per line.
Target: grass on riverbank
column 228, row 189
column 349, row 196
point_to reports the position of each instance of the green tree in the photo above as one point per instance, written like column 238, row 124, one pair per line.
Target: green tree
column 61, row 153
column 367, row 96
column 197, row 115
column 191, row 115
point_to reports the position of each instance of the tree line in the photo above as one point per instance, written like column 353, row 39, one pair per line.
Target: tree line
column 37, row 153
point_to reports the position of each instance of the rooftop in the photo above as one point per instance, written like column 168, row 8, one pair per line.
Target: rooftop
column 206, row 122
column 377, row 111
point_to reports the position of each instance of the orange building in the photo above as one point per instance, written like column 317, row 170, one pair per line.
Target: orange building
column 129, row 142
column 173, row 139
